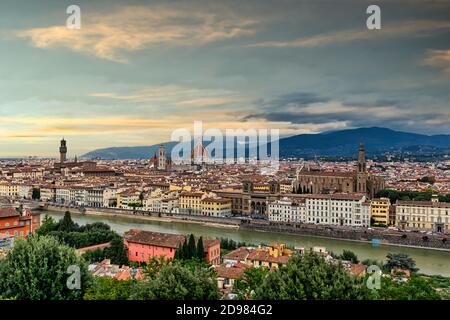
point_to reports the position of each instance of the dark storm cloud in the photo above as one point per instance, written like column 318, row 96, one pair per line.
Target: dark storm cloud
column 308, row 108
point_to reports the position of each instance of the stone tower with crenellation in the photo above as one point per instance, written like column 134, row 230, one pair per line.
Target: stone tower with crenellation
column 63, row 151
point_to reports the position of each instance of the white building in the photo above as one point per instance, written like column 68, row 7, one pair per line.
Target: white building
column 94, row 197
column 334, row 209
column 62, row 195
column 110, row 197
column 287, row 210
column 337, row 209
column 423, row 215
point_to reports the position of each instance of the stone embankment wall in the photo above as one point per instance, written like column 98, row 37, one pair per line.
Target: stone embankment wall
column 137, row 214
column 346, row 233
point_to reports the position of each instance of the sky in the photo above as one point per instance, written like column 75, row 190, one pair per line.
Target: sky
column 138, row 70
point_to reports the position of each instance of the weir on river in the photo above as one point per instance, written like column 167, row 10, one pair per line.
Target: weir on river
column 429, row 261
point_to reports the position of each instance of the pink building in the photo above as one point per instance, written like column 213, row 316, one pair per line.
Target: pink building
column 143, row 245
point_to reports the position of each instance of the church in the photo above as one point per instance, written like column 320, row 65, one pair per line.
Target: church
column 359, row 181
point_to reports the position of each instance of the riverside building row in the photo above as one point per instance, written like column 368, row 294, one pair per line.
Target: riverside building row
column 358, row 211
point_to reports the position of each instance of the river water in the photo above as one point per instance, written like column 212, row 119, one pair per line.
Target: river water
column 429, row 261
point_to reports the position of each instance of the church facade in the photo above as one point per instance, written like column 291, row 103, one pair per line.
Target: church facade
column 358, row 181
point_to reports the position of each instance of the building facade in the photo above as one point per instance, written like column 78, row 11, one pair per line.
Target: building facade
column 287, row 210
column 380, row 211
column 359, row 181
column 144, row 245
column 18, row 222
column 423, row 215
column 216, row 207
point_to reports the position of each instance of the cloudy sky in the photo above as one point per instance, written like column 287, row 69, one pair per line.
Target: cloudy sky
column 137, row 70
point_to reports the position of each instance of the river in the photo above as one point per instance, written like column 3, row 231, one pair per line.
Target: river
column 429, row 261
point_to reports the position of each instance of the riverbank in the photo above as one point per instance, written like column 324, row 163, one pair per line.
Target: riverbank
column 146, row 217
column 429, row 261
column 375, row 236
column 397, row 239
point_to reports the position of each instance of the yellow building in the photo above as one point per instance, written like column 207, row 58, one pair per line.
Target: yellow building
column 272, row 257
column 379, row 211
column 191, row 202
column 174, row 187
column 216, row 207
column 128, row 197
column 9, row 190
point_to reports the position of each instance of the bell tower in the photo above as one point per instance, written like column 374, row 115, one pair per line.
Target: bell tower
column 361, row 172
column 162, row 158
column 63, row 151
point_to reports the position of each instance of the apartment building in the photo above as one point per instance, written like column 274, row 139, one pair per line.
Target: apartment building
column 48, row 193
column 216, row 207
column 332, row 209
column 423, row 215
column 110, row 197
column 18, row 223
column 62, row 195
column 127, row 197
column 337, row 209
column 380, row 211
column 94, row 197
column 191, row 203
column 287, row 210
column 9, row 190
column 273, row 256
column 286, row 187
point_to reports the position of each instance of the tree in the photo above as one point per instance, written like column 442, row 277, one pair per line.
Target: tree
column 400, row 261
column 310, row 277
column 154, row 266
column 116, row 251
column 176, row 282
column 66, row 223
column 36, row 194
column 370, row 262
column 37, row 269
column 178, row 253
column 417, row 288
column 192, row 249
column 200, row 249
column 246, row 285
column 348, row 255
column 96, row 255
column 106, row 288
column 48, row 225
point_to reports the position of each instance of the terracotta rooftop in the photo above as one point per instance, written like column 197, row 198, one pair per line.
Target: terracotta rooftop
column 357, row 269
column 8, row 212
column 231, row 271
column 327, row 173
column 97, row 246
column 335, row 196
column 240, row 254
column 263, row 255
column 424, row 204
column 167, row 240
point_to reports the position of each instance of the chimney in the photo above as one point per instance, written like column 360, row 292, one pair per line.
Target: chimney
column 434, row 198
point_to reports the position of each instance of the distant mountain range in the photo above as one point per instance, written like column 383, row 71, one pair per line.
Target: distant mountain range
column 343, row 143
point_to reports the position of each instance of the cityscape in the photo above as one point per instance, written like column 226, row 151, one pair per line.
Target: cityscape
column 328, row 185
